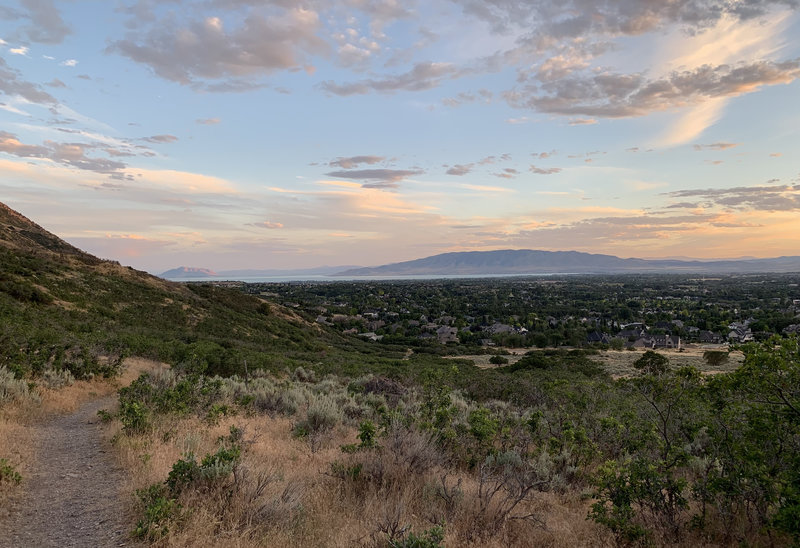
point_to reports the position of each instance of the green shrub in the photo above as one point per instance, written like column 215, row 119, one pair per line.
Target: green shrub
column 367, row 434
column 8, row 474
column 430, row 538
column 135, row 417
column 160, row 512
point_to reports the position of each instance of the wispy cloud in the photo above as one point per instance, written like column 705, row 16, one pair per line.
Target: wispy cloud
column 715, row 146
column 355, row 161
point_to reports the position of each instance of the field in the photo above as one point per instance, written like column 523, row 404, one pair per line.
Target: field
column 619, row 363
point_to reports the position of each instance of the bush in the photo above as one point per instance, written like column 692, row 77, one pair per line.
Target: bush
column 12, row 388
column 55, row 379
column 134, row 416
column 430, row 538
column 498, row 360
column 652, row 363
column 715, row 358
column 160, row 512
column 8, row 474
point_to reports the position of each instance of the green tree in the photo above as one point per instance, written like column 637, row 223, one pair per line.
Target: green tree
column 652, row 363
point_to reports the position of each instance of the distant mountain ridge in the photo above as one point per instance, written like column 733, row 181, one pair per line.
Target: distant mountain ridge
column 527, row 261
column 188, row 272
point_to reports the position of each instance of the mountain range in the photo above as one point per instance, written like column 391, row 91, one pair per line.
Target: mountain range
column 527, row 261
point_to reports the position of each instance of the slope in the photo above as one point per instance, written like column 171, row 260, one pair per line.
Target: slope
column 62, row 308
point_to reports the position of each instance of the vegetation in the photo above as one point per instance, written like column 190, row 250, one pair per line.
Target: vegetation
column 309, row 437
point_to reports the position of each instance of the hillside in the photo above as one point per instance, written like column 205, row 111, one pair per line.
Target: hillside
column 526, row 261
column 62, row 308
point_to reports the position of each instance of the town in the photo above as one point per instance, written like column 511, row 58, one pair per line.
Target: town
column 624, row 311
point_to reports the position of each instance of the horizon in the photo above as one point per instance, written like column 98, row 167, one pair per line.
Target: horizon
column 235, row 135
column 225, row 271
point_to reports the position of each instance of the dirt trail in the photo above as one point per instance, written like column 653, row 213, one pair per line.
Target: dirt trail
column 72, row 497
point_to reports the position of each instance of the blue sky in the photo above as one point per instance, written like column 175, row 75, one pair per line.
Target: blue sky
column 280, row 134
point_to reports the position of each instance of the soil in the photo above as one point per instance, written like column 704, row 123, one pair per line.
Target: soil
column 72, row 494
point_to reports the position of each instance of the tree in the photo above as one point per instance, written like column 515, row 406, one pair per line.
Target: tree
column 652, row 363
column 715, row 358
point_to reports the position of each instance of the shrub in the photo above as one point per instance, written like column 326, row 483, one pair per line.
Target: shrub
column 715, row 358
column 322, row 415
column 430, row 538
column 12, row 388
column 8, row 474
column 55, row 379
column 652, row 363
column 498, row 360
column 160, row 512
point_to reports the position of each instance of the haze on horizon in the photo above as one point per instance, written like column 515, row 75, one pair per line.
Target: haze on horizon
column 233, row 134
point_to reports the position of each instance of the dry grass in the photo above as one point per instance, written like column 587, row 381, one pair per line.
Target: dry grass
column 305, row 503
column 619, row 363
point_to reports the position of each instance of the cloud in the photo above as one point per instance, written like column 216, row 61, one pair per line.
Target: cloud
column 21, row 50
column 421, row 77
column 544, row 171
column 376, row 178
column 355, row 161
column 507, row 173
column 67, row 154
column 460, row 169
column 47, row 26
column 12, row 84
column 716, row 146
column 205, row 50
column 582, row 121
column 762, row 198
column 11, row 145
column 267, row 224
column 69, row 63
column 618, row 95
column 56, row 83
column 161, row 139
column 208, row 121
column 578, row 18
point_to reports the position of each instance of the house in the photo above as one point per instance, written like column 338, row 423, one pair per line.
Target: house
column 498, row 328
column 447, row 334
column 595, row 337
column 632, row 334
column 666, row 341
column 710, row 337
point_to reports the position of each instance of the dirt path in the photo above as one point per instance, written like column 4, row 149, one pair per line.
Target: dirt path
column 72, row 497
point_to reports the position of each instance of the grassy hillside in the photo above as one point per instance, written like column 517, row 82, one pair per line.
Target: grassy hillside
column 63, row 308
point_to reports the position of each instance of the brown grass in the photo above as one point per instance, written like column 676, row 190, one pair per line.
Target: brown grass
column 619, row 363
column 305, row 504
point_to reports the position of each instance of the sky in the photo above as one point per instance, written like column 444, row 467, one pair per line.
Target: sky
column 283, row 134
